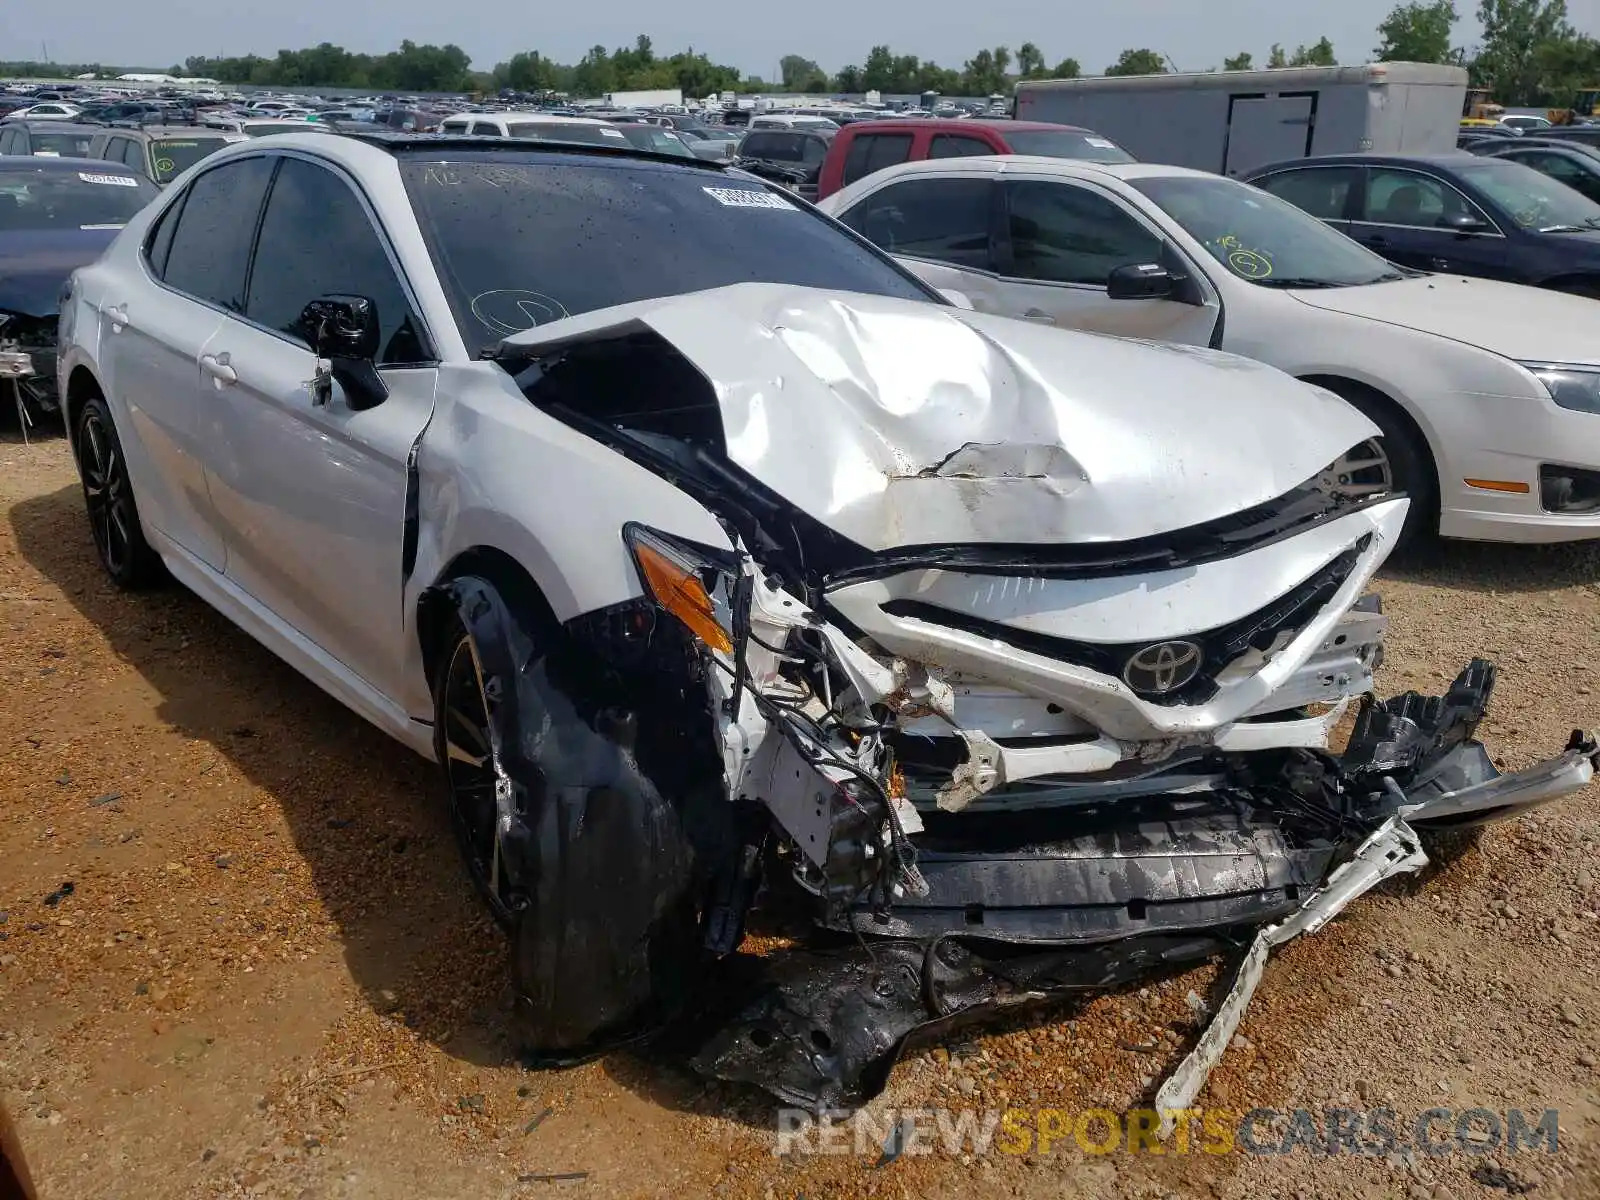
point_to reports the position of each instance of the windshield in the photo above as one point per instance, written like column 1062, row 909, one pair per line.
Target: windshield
column 1261, row 238
column 62, row 145
column 39, row 200
column 566, row 131
column 173, row 156
column 1532, row 200
column 1066, row 143
column 519, row 243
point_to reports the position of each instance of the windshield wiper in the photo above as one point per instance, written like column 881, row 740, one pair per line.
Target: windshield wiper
column 1291, row 281
column 1567, row 229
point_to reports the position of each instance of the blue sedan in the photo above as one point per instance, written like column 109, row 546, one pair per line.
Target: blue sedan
column 1455, row 213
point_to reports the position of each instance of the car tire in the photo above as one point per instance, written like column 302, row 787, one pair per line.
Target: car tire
column 604, row 929
column 108, row 498
column 1411, row 466
column 469, row 787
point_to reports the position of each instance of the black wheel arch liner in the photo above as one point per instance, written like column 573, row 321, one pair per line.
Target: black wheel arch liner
column 607, row 943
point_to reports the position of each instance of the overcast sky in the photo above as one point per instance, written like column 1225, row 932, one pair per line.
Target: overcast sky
column 1196, row 33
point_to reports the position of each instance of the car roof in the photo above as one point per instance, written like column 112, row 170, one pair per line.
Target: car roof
column 528, row 118
column 162, row 131
column 1556, row 145
column 998, row 124
column 821, row 131
column 53, row 126
column 357, row 148
column 65, row 165
column 1441, row 159
column 983, row 164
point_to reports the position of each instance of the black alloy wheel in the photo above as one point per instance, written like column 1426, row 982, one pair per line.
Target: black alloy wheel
column 108, row 498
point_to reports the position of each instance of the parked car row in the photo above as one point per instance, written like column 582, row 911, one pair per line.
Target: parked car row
column 56, row 214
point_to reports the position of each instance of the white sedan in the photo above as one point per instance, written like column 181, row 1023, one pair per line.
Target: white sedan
column 713, row 558
column 49, row 110
column 1488, row 394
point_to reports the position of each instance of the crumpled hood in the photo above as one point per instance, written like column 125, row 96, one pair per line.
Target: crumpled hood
column 1524, row 323
column 34, row 264
column 902, row 423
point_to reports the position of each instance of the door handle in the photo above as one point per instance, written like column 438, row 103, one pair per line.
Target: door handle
column 117, row 314
column 216, row 365
column 1039, row 317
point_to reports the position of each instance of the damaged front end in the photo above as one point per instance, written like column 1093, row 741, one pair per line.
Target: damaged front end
column 28, row 364
column 988, row 772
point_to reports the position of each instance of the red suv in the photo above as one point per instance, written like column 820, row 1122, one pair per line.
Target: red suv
column 863, row 147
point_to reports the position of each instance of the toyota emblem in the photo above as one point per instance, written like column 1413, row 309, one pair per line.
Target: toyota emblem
column 1162, row 668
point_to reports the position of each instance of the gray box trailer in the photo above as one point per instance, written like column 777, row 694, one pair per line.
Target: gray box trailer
column 1231, row 122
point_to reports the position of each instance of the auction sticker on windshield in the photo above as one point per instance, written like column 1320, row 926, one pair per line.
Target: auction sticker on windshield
column 746, row 198
column 113, row 180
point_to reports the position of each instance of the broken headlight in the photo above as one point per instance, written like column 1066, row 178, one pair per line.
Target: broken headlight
column 682, row 578
column 1573, row 388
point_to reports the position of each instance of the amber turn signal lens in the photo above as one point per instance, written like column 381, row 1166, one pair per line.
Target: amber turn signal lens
column 677, row 588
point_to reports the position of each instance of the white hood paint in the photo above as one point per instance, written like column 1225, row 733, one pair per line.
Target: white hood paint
column 1523, row 323
column 900, row 423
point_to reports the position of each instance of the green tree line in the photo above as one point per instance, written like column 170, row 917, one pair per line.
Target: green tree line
column 1529, row 54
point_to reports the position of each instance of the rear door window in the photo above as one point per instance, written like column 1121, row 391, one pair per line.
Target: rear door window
column 958, row 145
column 1321, row 191
column 772, row 146
column 159, row 243
column 757, row 145
column 946, row 220
column 485, row 129
column 871, row 152
column 211, row 245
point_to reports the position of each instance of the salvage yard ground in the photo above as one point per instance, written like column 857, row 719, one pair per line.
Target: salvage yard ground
column 270, row 977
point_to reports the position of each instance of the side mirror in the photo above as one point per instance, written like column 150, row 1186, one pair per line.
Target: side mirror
column 958, row 299
column 344, row 330
column 1141, row 281
column 1463, row 222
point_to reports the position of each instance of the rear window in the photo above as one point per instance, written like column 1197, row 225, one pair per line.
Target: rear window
column 567, row 131
column 775, row 147
column 262, row 130
column 657, row 139
column 614, row 231
column 1066, row 143
column 172, row 156
column 101, row 196
column 62, row 145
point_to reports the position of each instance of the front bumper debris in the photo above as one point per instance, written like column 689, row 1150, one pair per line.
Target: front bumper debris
column 1124, row 892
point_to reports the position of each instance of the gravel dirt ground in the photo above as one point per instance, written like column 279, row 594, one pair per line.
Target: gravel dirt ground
column 271, row 978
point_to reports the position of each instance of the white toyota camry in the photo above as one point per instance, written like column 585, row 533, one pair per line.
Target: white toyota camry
column 1488, row 394
column 719, row 563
